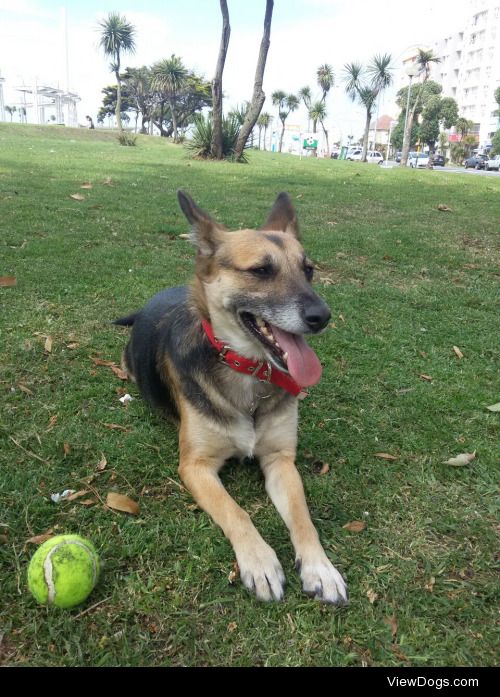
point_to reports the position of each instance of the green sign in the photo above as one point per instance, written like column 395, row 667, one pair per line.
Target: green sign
column 310, row 143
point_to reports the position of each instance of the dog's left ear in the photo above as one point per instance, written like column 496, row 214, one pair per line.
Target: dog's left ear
column 205, row 234
column 282, row 217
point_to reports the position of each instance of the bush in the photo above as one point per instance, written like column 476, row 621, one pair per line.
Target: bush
column 200, row 143
column 126, row 138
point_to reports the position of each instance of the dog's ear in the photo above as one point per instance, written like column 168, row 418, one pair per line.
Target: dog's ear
column 205, row 232
column 282, row 216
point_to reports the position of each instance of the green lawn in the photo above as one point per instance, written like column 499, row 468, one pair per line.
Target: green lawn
column 405, row 281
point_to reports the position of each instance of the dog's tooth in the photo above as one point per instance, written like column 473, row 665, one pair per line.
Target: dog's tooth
column 260, row 322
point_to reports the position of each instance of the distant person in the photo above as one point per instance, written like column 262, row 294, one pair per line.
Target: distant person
column 90, row 122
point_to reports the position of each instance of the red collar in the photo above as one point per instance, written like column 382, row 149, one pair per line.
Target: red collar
column 262, row 370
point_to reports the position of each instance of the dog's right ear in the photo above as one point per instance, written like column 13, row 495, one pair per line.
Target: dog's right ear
column 205, row 231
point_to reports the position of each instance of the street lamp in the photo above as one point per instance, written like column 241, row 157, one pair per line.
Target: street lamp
column 412, row 71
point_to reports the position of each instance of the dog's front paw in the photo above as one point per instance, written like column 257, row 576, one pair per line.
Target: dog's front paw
column 321, row 580
column 261, row 572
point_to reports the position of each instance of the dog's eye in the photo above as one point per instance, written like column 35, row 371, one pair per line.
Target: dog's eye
column 309, row 271
column 262, row 271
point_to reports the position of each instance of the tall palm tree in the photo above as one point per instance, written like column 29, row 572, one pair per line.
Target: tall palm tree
column 263, row 123
column 366, row 86
column 266, row 120
column 117, row 36
column 305, row 94
column 424, row 62
column 11, row 110
column 169, row 77
column 286, row 103
column 317, row 113
column 326, row 79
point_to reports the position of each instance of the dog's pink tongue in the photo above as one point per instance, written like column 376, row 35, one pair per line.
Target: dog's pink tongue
column 303, row 363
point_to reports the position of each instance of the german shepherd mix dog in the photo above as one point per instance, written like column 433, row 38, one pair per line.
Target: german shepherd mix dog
column 226, row 359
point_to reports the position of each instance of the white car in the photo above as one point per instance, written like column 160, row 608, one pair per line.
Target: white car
column 372, row 156
column 493, row 163
column 418, row 159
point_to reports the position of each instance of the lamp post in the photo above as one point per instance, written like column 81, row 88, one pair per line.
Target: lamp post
column 412, row 71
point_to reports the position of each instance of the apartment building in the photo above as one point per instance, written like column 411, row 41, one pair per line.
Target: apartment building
column 469, row 70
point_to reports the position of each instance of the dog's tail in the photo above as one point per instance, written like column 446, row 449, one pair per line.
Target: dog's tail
column 126, row 321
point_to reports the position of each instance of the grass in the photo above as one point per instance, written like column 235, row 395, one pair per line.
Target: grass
column 405, row 282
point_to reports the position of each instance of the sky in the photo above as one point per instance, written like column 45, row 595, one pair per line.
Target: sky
column 304, row 35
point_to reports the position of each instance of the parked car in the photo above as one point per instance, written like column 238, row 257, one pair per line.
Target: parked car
column 372, row 156
column 398, row 157
column 420, row 159
column 354, row 154
column 493, row 163
column 476, row 161
column 438, row 160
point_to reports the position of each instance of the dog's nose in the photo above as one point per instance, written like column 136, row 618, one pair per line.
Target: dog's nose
column 316, row 314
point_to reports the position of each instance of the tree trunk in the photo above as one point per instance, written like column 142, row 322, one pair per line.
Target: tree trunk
column 118, row 110
column 216, row 145
column 174, row 119
column 365, row 135
column 409, row 124
column 258, row 96
column 281, row 136
column 260, row 134
column 326, row 138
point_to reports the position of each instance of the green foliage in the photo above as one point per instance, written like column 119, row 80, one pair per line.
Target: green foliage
column 200, row 142
column 422, row 92
column 495, row 142
column 126, row 138
column 398, row 133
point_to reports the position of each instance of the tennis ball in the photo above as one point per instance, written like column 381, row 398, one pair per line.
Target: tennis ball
column 63, row 571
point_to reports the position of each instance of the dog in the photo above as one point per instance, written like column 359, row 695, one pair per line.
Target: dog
column 226, row 359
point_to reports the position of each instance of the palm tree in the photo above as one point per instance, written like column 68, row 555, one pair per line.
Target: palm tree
column 325, row 78
column 117, row 36
column 169, row 76
column 305, row 94
column 263, row 123
column 318, row 113
column 424, row 61
column 463, row 126
column 11, row 110
column 379, row 74
column 266, row 120
column 286, row 103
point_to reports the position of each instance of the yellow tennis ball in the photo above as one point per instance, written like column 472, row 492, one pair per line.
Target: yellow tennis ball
column 63, row 571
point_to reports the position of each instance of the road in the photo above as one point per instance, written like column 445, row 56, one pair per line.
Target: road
column 454, row 169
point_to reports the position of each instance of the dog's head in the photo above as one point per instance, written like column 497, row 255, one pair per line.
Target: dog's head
column 256, row 288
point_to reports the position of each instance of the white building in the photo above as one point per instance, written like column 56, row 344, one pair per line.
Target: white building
column 469, row 70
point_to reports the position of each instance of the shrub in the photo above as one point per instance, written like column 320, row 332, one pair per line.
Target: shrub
column 126, row 138
column 199, row 145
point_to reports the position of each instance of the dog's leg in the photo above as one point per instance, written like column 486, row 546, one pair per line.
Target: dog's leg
column 201, row 456
column 320, row 578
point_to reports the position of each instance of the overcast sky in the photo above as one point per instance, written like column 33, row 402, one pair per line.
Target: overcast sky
column 305, row 34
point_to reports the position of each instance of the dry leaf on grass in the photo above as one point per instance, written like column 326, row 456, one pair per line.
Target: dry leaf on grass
column 66, row 448
column 77, row 197
column 100, row 361
column 430, row 585
column 122, row 374
column 117, row 427
column 25, row 389
column 43, row 537
column 119, row 502
column 371, row 595
column 428, row 378
column 7, row 281
column 443, row 207
column 108, row 181
column 457, row 352
column 102, row 464
column 393, row 624
column 461, row 460
column 48, row 344
column 386, row 456
column 86, row 185
column 77, row 495
column 493, row 407
column 72, row 346
column 355, row 526
column 232, row 626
